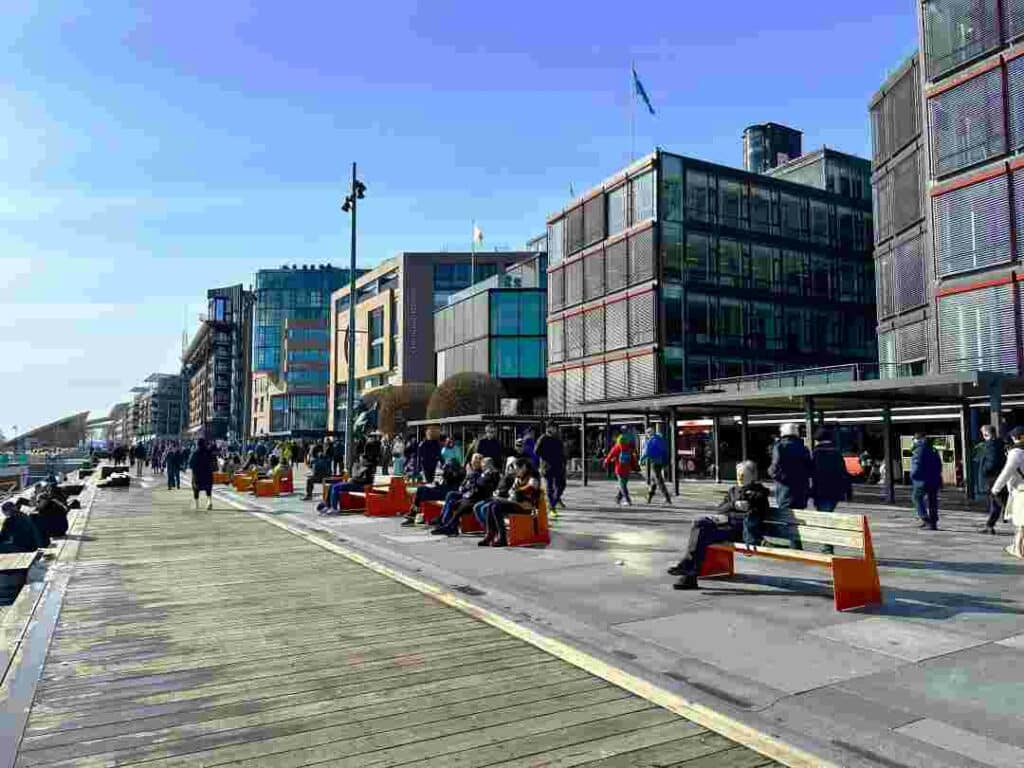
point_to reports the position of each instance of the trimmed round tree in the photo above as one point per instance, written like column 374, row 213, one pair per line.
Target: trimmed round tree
column 466, row 394
column 399, row 404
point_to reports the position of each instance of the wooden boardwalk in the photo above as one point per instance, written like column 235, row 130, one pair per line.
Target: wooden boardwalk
column 193, row 638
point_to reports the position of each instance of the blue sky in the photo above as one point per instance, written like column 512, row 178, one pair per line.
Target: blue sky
column 149, row 151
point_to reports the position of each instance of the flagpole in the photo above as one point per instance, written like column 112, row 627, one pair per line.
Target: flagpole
column 472, row 257
column 632, row 113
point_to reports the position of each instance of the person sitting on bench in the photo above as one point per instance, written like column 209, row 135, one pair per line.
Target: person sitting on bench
column 51, row 516
column 361, row 479
column 525, row 496
column 321, row 471
column 739, row 518
column 478, row 486
column 18, row 533
column 452, row 476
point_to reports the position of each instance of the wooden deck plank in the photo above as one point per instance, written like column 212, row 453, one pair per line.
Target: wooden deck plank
column 213, row 638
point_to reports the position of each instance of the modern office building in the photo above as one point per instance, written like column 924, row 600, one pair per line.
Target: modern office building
column 904, row 271
column 769, row 145
column 675, row 272
column 156, row 411
column 842, row 174
column 970, row 83
column 297, row 297
column 119, row 424
column 497, row 326
column 216, row 367
column 395, row 305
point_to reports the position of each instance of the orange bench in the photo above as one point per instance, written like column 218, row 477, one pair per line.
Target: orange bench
column 528, row 530
column 277, row 487
column 855, row 581
column 243, row 481
column 394, row 502
column 221, row 478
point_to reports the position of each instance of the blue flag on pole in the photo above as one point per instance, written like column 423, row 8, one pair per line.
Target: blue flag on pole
column 638, row 88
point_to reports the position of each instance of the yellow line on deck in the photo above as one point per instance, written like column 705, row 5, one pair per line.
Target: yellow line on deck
column 743, row 734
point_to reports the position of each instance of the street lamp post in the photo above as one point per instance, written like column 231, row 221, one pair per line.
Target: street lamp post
column 349, row 206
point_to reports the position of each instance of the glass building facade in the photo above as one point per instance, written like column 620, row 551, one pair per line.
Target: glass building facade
column 497, row 327
column 769, row 145
column 678, row 272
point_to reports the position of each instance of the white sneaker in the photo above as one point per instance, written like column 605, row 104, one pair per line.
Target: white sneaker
column 209, row 505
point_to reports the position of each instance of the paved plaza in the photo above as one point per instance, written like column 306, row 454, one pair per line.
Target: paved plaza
column 931, row 678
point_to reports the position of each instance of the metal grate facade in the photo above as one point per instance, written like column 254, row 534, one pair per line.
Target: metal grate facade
column 977, row 330
column 966, row 123
column 972, row 227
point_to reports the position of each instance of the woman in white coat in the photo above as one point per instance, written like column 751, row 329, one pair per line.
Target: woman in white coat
column 1012, row 478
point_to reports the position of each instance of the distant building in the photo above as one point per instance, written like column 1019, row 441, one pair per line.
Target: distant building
column 297, row 298
column 497, row 326
column 68, row 432
column 837, row 172
column 395, row 305
column 216, row 367
column 119, row 425
column 156, row 410
column 675, row 272
column 768, row 145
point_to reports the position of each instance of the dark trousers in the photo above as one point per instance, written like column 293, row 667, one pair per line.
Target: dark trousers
column 995, row 506
column 705, row 532
column 787, row 499
column 658, row 483
column 430, row 493
column 429, row 470
column 926, row 501
column 311, row 481
column 554, row 477
column 173, row 477
column 497, row 511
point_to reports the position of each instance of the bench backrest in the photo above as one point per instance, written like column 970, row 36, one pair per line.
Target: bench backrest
column 837, row 529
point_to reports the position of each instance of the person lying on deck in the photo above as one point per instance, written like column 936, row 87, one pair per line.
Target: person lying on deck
column 361, row 479
column 18, row 533
column 479, row 485
column 740, row 517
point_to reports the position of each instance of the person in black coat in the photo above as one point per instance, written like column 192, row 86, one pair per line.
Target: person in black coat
column 429, row 455
column 173, row 464
column 830, row 482
column 791, row 470
column 993, row 459
column 489, row 446
column 202, row 464
column 18, row 533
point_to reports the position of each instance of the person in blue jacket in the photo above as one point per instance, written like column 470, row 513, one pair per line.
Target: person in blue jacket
column 655, row 455
column 926, row 479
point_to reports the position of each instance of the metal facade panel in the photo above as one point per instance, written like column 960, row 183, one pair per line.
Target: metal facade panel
column 977, row 331
column 574, row 231
column 616, row 266
column 616, row 374
column 885, row 284
column 593, row 220
column 883, row 207
column 909, row 274
column 911, row 343
column 593, row 383
column 556, row 392
column 556, row 341
column 879, row 144
column 573, row 387
column 972, row 227
column 957, row 31
column 556, row 288
column 641, row 256
column 887, row 354
column 908, row 197
column 593, row 275
column 573, row 283
column 642, row 375
column 616, row 324
column 641, row 319
column 903, row 110
column 593, row 331
column 574, row 337
column 1013, row 18
column 967, row 123
column 1015, row 95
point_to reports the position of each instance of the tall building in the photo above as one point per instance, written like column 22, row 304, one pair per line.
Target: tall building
column 156, row 410
column 904, row 272
column 216, row 367
column 970, row 81
column 768, row 145
column 297, row 298
column 497, row 326
column 675, row 272
column 395, row 305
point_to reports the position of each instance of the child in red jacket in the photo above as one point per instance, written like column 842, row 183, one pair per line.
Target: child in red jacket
column 622, row 458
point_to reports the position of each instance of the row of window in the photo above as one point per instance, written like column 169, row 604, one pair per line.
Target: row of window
column 456, row 275
column 604, row 215
column 503, row 358
column 903, row 351
column 307, row 377
column 607, row 270
column 956, row 31
column 900, row 278
column 977, row 330
column 617, row 325
column 492, row 313
column 896, row 119
column 899, row 198
column 312, row 335
column 615, row 379
column 308, row 355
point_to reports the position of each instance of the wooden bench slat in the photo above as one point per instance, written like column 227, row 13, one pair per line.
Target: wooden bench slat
column 780, row 553
column 17, row 561
column 840, row 520
column 814, row 535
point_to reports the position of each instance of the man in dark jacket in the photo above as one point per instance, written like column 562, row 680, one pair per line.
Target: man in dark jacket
column 926, row 478
column 551, row 454
column 489, row 446
column 993, row 459
column 139, row 454
column 429, row 456
column 18, row 534
column 479, row 484
column 202, row 463
column 373, row 450
column 740, row 517
column 321, row 470
column 360, row 479
column 830, row 482
column 791, row 471
column 452, row 475
column 173, row 463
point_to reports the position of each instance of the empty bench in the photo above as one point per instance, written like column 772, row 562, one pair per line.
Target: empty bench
column 854, row 577
column 14, row 572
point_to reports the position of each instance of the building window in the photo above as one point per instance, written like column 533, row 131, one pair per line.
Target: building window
column 956, row 31
column 375, row 321
column 671, row 192
column 967, row 123
column 972, row 227
column 792, row 215
column 616, row 210
column 642, row 194
column 698, row 186
column 700, row 325
column 672, row 251
column 764, row 268
column 593, row 220
column 732, row 203
column 556, row 242
column 760, row 208
column 574, row 231
column 731, row 263
column 700, row 266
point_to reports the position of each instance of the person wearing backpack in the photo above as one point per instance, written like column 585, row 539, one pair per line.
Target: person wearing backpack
column 622, row 458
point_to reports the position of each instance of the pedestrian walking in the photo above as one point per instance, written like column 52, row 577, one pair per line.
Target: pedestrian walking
column 429, row 456
column 139, row 454
column 791, row 471
column 926, row 478
column 202, row 463
column 990, row 466
column 551, row 453
column 655, row 456
column 173, row 463
column 1011, row 479
column 622, row 458
column 830, row 482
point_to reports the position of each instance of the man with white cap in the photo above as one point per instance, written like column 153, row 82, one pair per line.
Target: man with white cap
column 791, row 470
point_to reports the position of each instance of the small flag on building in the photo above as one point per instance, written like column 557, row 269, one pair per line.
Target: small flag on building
column 478, row 234
column 639, row 90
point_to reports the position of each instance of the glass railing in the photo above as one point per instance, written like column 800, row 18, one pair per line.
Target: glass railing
column 803, row 377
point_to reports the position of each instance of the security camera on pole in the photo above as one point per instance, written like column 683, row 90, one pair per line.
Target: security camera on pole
column 349, row 206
